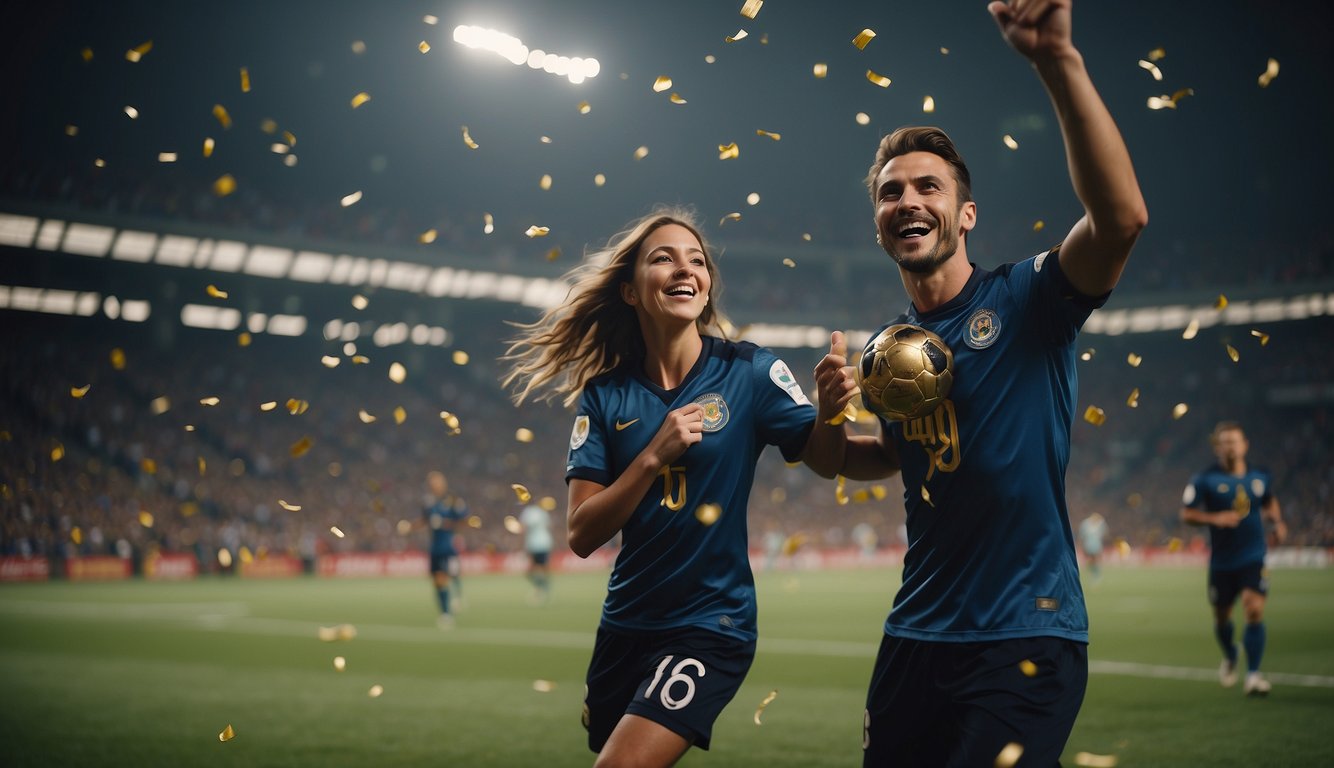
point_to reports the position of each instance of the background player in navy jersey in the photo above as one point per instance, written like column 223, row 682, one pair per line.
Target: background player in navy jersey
column 1234, row 499
column 986, row 643
column 443, row 513
column 669, row 425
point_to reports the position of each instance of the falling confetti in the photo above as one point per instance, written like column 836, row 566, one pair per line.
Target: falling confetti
column 1095, row 416
column 523, row 435
column 878, row 79
column 58, row 453
column 1192, row 328
column 224, row 185
column 335, row 530
column 159, row 406
column 1028, row 668
column 297, row 407
column 1169, row 102
column 766, row 702
column 641, row 153
column 710, row 58
column 329, row 361
column 750, row 8
column 662, row 83
column 400, row 414
column 148, row 466
column 1175, row 544
column 728, row 151
column 1091, row 760
column 488, row 224
column 203, row 465
column 841, row 491
column 220, row 112
column 268, row 406
column 544, row 686
column 139, row 51
column 536, row 231
column 1271, row 72
column 166, row 157
column 245, row 80
column 553, row 254
column 451, row 421
column 1009, row 755
column 1133, row 400
column 428, row 237
column 360, row 302
column 209, row 401
column 1179, row 410
column 708, row 514
column 145, row 518
column 1263, row 337
column 1151, row 68
column 820, row 70
column 268, row 125
column 521, row 492
column 1088, row 354
column 789, row 263
column 863, row 119
column 1134, row 360
column 862, row 38
column 424, row 47
column 1232, row 353
column 366, row 418
column 513, row 525
column 86, row 54
column 208, row 147
column 734, row 216
column 1039, row 225
column 360, row 98
column 545, row 182
column 1220, row 303
column 1009, row 141
column 397, row 373
column 227, row 734
column 806, row 236
column 676, row 98
column 770, row 134
column 585, row 108
column 459, row 357
column 467, row 139
column 599, row 179
column 132, row 113
column 339, row 663
column 78, row 392
column 243, row 339
column 351, row 199
column 215, row 291
column 1157, row 54
column 300, row 447
column 376, row 691
column 753, row 198
column 740, row 35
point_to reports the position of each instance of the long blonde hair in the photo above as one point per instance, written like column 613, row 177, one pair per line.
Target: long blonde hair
column 594, row 331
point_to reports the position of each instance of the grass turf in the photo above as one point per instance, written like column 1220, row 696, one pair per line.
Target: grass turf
column 142, row 674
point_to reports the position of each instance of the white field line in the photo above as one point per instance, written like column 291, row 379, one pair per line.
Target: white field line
column 232, row 618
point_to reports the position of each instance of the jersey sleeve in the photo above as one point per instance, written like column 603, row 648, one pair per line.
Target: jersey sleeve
column 1193, row 496
column 588, row 457
column 1058, row 308
column 783, row 415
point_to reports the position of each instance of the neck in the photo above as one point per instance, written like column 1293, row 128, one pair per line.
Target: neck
column 929, row 290
column 670, row 354
column 1236, row 467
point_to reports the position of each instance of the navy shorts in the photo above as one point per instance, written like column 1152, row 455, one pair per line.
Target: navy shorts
column 539, row 558
column 680, row 679
column 445, row 562
column 1226, row 586
column 960, row 704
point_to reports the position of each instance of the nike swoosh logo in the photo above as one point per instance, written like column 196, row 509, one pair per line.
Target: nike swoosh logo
column 620, row 426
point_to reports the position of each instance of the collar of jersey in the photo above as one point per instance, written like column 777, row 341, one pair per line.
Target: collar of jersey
column 963, row 297
column 668, row 396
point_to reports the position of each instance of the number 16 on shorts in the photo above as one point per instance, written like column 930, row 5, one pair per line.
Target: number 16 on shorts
column 678, row 689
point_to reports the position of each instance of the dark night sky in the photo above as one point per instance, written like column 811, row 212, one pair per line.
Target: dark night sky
column 1235, row 164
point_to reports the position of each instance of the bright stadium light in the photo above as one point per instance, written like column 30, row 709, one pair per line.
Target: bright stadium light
column 512, row 49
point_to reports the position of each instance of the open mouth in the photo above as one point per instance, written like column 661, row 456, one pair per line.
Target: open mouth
column 913, row 229
column 683, row 291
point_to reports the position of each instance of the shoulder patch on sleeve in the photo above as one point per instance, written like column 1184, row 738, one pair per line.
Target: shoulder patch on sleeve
column 1188, row 495
column 580, row 432
column 780, row 375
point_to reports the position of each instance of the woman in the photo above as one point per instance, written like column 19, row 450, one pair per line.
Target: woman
column 670, row 422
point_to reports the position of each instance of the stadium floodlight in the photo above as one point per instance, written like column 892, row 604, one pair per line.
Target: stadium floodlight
column 90, row 240
column 208, row 316
column 228, row 256
column 576, row 69
column 268, row 261
column 50, row 234
column 135, row 311
column 131, row 245
column 286, row 325
column 17, row 230
column 176, row 250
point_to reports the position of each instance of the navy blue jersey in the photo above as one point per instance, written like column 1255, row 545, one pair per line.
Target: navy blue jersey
column 990, row 553
column 1215, row 490
column 442, row 517
column 675, row 569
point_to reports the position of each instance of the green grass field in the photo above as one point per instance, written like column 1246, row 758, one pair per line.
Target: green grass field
column 148, row 674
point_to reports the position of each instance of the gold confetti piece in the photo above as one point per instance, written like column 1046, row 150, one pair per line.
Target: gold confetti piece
column 1174, row 544
column 770, row 134
column 208, row 147
column 159, row 406
column 227, row 734
column 365, row 417
column 148, row 466
column 58, row 453
column 137, row 53
column 861, row 496
column 584, row 108
column 1263, row 337
column 268, row 125
column 1009, row 141
column 766, row 702
column 339, row 663
column 708, row 514
column 224, row 185
column 1091, row 760
column 400, row 414
column 1133, row 400
column 1095, row 415
column 360, row 98
column 246, row 557
column 243, row 339
column 536, row 231
column 1134, row 360
column 376, row 691
column 513, row 525
column 521, row 492
column 926, row 496
column 545, row 182
column 1232, row 353
column 789, row 263
column 145, row 518
column 1271, row 72
column 728, row 151
column 599, row 180
column 1009, row 755
column 1179, row 410
column 351, row 199
column 474, row 522
column 245, row 80
column 166, row 157
column 1151, row 68
column 662, row 83
column 733, row 216
column 79, row 392
column 100, row 163
column 641, row 153
column 289, row 507
column 215, row 291
column 225, row 558
column 429, row 19
column 523, row 435
column 460, row 357
column 863, row 37
column 1088, row 354
column 544, row 686
column 451, row 421
column 87, row 54
column 297, row 407
column 740, row 35
column 793, row 543
column 397, row 373
column 1028, row 668
column 359, row 302
column 488, row 224
column 279, row 148
column 268, row 406
column 806, row 236
column 209, row 401
column 335, row 530
column 709, row 59
column 289, row 161
column 928, row 104
column 71, row 130
column 300, row 448
column 820, row 70
column 879, row 492
column 676, row 98
column 841, row 491
column 944, row 51
column 290, row 138
column 424, row 47
column 427, row 237
column 329, row 361
column 1220, row 303
column 1039, row 225
column 553, row 254
column 467, row 139
column 131, row 112
column 878, row 79
column 1157, row 54
column 750, row 8
column 1192, row 328
column 220, row 112
column 863, row 118
column 203, row 466
column 346, row 632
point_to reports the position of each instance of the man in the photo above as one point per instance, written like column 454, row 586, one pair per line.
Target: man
column 1234, row 499
column 536, row 523
column 442, row 514
column 1092, row 531
column 986, row 644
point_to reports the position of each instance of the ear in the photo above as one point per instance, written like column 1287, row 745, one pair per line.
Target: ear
column 968, row 216
column 628, row 294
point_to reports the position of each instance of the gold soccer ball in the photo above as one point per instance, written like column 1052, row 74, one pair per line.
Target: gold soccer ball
column 905, row 372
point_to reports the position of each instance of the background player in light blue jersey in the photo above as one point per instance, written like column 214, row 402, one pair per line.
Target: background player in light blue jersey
column 442, row 514
column 1234, row 499
column 986, row 643
column 669, row 425
column 536, row 522
column 1092, row 532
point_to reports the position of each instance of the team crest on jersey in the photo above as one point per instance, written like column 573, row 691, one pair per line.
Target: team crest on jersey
column 580, row 433
column 983, row 329
column 780, row 375
column 1257, row 487
column 715, row 411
